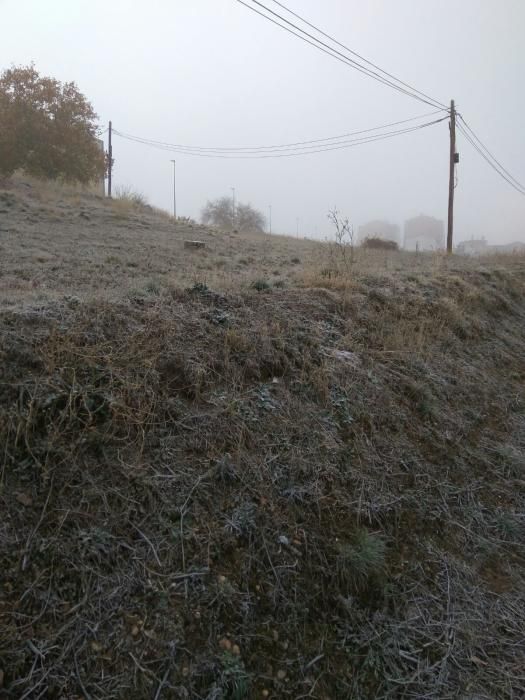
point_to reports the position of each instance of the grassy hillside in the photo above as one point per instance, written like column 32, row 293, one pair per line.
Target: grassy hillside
column 55, row 241
column 305, row 490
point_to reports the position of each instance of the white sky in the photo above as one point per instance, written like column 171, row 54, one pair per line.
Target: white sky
column 210, row 72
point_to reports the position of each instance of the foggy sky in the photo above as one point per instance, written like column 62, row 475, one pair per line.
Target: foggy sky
column 212, row 73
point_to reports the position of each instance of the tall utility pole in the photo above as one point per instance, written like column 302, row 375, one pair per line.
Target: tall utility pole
column 451, row 185
column 174, row 195
column 110, row 160
column 100, row 142
column 270, row 220
column 233, row 206
column 297, row 227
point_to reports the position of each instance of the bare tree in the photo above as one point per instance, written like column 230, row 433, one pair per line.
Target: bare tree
column 219, row 213
column 250, row 219
column 344, row 236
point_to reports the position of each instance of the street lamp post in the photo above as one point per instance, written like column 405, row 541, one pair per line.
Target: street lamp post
column 270, row 219
column 174, row 195
column 233, row 206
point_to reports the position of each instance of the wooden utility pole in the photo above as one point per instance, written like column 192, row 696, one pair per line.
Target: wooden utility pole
column 110, row 160
column 174, row 193
column 104, row 165
column 451, row 183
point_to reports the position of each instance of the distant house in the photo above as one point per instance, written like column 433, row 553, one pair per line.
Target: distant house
column 379, row 229
column 480, row 246
column 476, row 246
column 424, row 233
column 509, row 248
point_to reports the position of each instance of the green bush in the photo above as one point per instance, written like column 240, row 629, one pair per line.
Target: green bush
column 261, row 285
column 361, row 560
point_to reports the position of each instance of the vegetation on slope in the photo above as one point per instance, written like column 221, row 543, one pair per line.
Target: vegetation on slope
column 48, row 128
column 274, row 493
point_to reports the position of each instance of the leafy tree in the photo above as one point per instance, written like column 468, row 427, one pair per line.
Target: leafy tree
column 48, row 128
column 219, row 212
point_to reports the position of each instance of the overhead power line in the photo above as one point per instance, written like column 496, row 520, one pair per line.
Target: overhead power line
column 482, row 146
column 342, row 141
column 348, row 56
column 283, row 146
column 383, row 76
column 362, row 58
column 300, row 151
column 492, row 161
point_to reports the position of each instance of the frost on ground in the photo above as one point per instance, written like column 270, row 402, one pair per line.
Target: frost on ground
column 262, row 491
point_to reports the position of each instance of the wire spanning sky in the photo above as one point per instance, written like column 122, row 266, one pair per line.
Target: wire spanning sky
column 212, row 73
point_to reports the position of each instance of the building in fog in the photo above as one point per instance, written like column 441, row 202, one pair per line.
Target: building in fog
column 516, row 248
column 480, row 246
column 476, row 246
column 424, row 233
column 379, row 229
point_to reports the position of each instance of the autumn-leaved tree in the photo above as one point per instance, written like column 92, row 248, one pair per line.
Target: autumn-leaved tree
column 47, row 128
column 220, row 212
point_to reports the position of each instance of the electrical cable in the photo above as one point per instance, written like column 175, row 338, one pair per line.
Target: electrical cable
column 481, row 144
column 297, row 152
column 334, row 53
column 278, row 147
column 519, row 188
column 354, row 53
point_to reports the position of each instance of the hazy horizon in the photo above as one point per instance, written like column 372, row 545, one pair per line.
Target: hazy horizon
column 212, row 73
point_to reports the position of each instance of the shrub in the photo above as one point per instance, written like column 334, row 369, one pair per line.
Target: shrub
column 344, row 236
column 153, row 287
column 260, row 285
column 362, row 560
column 199, row 288
column 134, row 198
column 379, row 244
column 234, row 678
